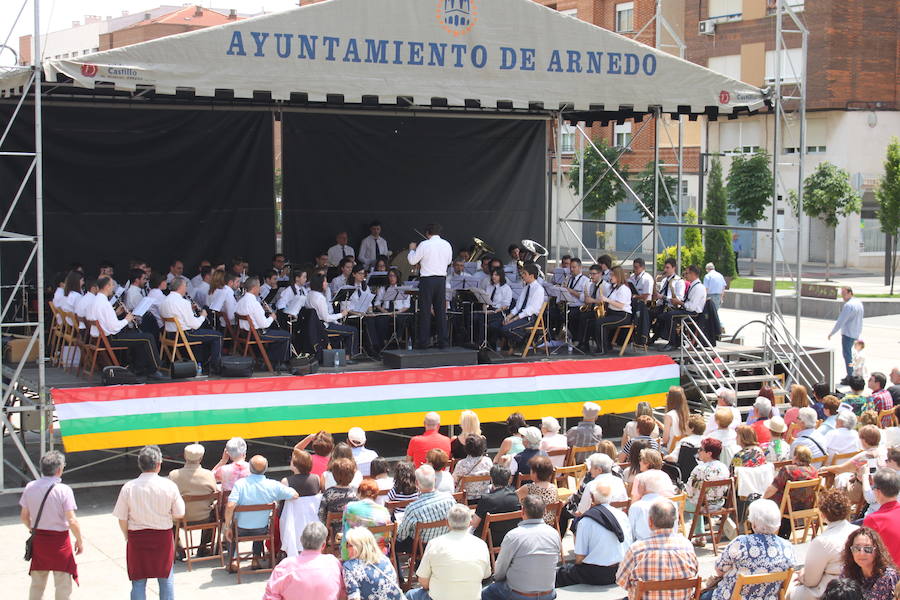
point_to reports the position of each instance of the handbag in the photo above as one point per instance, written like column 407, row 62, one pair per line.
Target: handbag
column 29, row 541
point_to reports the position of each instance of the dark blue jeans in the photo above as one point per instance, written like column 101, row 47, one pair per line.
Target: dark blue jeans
column 847, row 349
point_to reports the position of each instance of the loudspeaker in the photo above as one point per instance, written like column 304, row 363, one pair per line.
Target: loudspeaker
column 334, row 358
column 237, row 366
column 307, row 369
column 112, row 375
column 183, row 369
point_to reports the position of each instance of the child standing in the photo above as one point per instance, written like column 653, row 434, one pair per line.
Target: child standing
column 859, row 360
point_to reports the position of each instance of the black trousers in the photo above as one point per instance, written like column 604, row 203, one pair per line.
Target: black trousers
column 494, row 321
column 584, row 325
column 212, row 344
column 667, row 324
column 349, row 336
column 143, row 352
column 432, row 296
column 572, row 574
column 280, row 347
column 605, row 328
column 149, row 325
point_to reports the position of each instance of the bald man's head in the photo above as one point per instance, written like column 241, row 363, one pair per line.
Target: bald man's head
column 258, row 464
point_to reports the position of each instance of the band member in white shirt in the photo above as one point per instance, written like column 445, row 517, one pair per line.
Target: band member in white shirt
column 692, row 303
column 73, row 292
column 200, row 291
column 641, row 279
column 495, row 263
column 176, row 306
column 81, row 308
column 512, row 267
column 151, row 321
column 373, row 245
column 176, row 269
column 671, row 286
column 433, row 255
column 343, row 278
column 331, row 320
column 605, row 263
column 340, row 250
column 196, row 279
column 280, row 266
column 513, row 328
column 592, row 296
column 142, row 347
column 483, row 274
column 222, row 297
column 618, row 310
column 108, row 270
column 292, row 299
column 134, row 291
column 269, row 283
column 501, row 299
column 279, row 348
column 572, row 294
column 396, row 302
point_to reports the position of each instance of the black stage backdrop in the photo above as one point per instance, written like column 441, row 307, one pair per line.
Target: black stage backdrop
column 476, row 177
column 156, row 184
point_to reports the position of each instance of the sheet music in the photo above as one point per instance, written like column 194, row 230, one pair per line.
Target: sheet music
column 143, row 306
column 361, row 302
column 516, row 287
column 472, row 267
column 482, row 296
column 559, row 275
column 550, row 289
column 117, row 294
column 463, row 282
column 376, row 274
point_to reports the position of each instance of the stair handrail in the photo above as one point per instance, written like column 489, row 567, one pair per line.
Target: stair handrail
column 696, row 348
column 781, row 344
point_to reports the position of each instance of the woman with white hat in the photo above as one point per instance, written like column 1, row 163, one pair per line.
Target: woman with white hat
column 777, row 450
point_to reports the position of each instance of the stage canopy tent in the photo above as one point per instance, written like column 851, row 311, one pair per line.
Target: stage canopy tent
column 509, row 55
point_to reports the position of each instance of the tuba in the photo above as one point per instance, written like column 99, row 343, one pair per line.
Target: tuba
column 480, row 250
column 533, row 251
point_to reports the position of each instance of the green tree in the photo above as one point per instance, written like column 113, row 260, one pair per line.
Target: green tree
column 888, row 195
column 750, row 190
column 718, row 241
column 644, row 187
column 609, row 190
column 692, row 252
column 828, row 195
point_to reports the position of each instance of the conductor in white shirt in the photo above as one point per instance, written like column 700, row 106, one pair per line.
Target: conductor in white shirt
column 433, row 256
column 692, row 303
column 527, row 308
column 279, row 345
column 176, row 306
column 373, row 245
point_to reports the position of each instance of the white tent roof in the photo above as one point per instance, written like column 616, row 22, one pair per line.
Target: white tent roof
column 512, row 52
column 13, row 80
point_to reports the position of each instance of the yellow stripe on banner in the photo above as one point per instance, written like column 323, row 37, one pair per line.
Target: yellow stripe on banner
column 172, row 435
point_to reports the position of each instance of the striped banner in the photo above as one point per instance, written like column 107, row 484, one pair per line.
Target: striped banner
column 116, row 417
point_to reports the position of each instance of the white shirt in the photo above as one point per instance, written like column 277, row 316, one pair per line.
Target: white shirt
column 323, row 309
column 222, row 301
column 178, row 307
column 433, row 256
column 711, row 424
column 371, row 248
column 621, row 294
column 531, row 305
column 58, row 296
column 337, row 283
column 132, row 297
column 249, row 305
column 639, row 516
column 393, row 294
column 363, row 457
column 288, row 297
column 618, row 492
column 671, row 286
column 501, row 295
column 696, row 300
column 200, row 293
column 70, row 301
column 157, row 296
column 337, row 252
column 643, row 283
column 512, row 270
column 714, row 282
column 841, row 441
column 195, row 281
column 102, row 312
column 81, row 308
column 578, row 284
column 455, row 564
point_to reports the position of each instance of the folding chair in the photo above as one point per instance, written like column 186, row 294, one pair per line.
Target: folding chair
column 810, row 516
column 629, row 332
column 703, row 510
column 466, row 480
column 563, row 452
column 783, row 577
column 539, row 326
column 562, row 474
column 555, row 509
column 393, row 506
column 488, row 536
column 245, row 338
column 887, row 418
column 171, row 343
column 99, row 344
column 334, row 524
column 388, row 536
column 622, row 505
column 235, row 559
column 55, row 332
column 577, row 454
column 681, row 501
column 522, row 479
column 672, row 585
column 181, row 525
column 69, row 337
column 460, row 497
column 418, row 546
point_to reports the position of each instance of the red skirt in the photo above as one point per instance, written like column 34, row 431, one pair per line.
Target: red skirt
column 150, row 553
column 52, row 551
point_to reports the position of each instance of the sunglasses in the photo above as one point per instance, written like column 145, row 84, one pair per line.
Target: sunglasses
column 863, row 549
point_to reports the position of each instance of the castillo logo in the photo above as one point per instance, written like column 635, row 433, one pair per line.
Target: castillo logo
column 724, row 97
column 457, row 17
column 89, row 70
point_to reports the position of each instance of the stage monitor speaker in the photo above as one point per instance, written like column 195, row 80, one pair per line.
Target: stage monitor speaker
column 183, row 369
column 113, row 375
column 430, row 357
column 237, row 366
column 334, row 358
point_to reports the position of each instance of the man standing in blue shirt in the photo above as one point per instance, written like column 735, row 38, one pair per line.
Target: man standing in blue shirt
column 737, row 247
column 849, row 323
column 715, row 285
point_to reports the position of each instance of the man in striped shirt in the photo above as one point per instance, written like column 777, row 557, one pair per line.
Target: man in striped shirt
column 428, row 507
column 663, row 557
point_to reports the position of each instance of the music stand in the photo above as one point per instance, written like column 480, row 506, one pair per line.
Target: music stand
column 567, row 342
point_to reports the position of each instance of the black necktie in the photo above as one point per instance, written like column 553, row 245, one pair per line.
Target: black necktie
column 493, row 293
column 343, row 252
column 687, row 292
column 525, row 300
column 596, row 287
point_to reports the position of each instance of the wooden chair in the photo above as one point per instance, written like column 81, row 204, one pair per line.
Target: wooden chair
column 393, row 506
column 55, row 332
column 488, row 536
column 629, row 331
column 839, row 459
column 781, row 463
column 672, row 585
column 215, row 526
column 467, row 479
column 622, row 505
column 460, row 497
column 245, row 338
column 562, row 474
column 99, row 344
column 729, row 509
column 564, row 452
column 674, row 442
column 784, row 577
column 539, row 326
column 235, row 559
column 887, row 418
column 681, row 501
column 69, row 338
column 819, row 461
column 334, row 524
column 418, row 546
column 522, row 479
column 555, row 508
column 793, row 428
column 810, row 516
column 577, row 454
column 388, row 533
column 227, row 331
column 171, row 343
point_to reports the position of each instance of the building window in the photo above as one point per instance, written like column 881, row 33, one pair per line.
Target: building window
column 740, row 137
column 816, row 136
column 725, row 8
column 567, row 141
column 791, row 66
column 873, row 239
column 625, row 17
column 622, row 135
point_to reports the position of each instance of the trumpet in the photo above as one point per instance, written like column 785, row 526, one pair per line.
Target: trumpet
column 481, row 250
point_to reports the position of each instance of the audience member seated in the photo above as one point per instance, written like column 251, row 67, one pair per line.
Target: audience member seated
column 799, row 399
column 253, row 489
column 474, row 464
column 368, row 573
column 762, row 411
column 696, row 427
column 856, row 399
column 843, row 438
column 645, row 426
column 858, row 470
column 378, row 471
column 431, row 438
column 726, row 424
column 500, row 499
column 311, row 574
column 808, row 436
column 675, row 423
column 662, row 556
column 553, row 440
column 430, row 506
column 336, row 498
column 750, row 454
column 754, row 554
column 633, row 469
column 587, row 432
column 725, row 399
column 867, row 562
column 443, row 479
column 778, row 449
column 824, row 560
column 404, row 486
column 768, row 393
column 356, row 437
column 609, row 449
column 650, row 462
column 543, row 485
column 842, row 589
column 527, row 560
column 302, row 480
column 193, row 480
column 643, row 408
column 454, row 563
column 364, row 512
column 869, row 417
column 531, row 439
column 228, row 473
column 830, row 406
column 650, row 489
column 709, row 468
column 798, row 470
column 886, row 520
column 470, row 426
column 604, row 535
column 600, row 467
column 512, row 444
column 341, row 450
